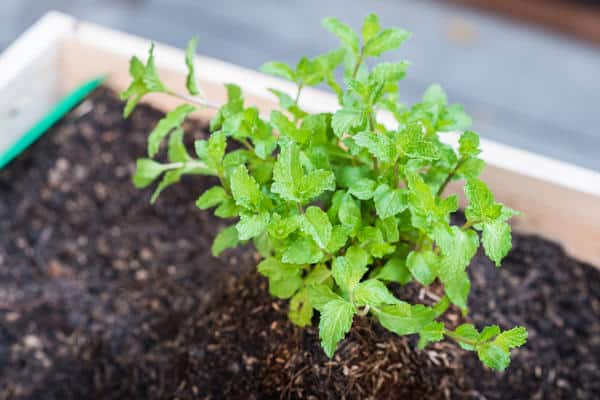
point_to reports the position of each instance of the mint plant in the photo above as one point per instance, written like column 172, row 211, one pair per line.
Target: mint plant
column 339, row 205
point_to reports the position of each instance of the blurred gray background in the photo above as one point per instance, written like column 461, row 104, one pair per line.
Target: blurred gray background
column 524, row 85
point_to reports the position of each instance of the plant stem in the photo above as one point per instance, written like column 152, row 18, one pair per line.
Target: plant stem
column 469, row 224
column 194, row 100
column 450, row 176
column 457, row 338
column 357, row 65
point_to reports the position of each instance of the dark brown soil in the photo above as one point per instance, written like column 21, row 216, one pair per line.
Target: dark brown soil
column 105, row 296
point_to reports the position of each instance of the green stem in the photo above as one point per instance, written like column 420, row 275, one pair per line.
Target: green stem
column 357, row 65
column 194, row 100
column 469, row 224
column 458, row 338
column 450, row 176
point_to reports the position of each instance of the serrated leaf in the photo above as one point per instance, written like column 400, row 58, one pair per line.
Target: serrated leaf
column 423, row 265
column 211, row 198
column 349, row 212
column 432, row 332
column 288, row 128
column 388, row 39
column 280, row 228
column 317, row 225
column 370, row 27
column 171, row 121
column 362, row 189
column 394, row 270
column 458, row 248
column 315, row 183
column 227, row 209
column 339, row 237
column 321, row 294
column 482, row 206
column 346, row 119
column 302, row 250
column 389, row 72
column 434, row 94
column 468, row 144
column 405, row 319
column 496, row 240
column 284, row 279
column 512, row 338
column 389, row 228
column 252, row 225
column 146, row 171
column 279, row 69
column 378, row 145
column 319, row 274
column 346, row 273
column 336, row 321
column 494, row 356
column 226, row 239
column 412, row 142
column 374, row 293
column 244, row 189
column 287, row 103
column 469, row 333
column 488, row 333
column 190, row 54
column 287, row 172
column 343, row 32
column 389, row 202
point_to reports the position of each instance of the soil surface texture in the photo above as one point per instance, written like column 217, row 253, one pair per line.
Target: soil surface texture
column 105, row 296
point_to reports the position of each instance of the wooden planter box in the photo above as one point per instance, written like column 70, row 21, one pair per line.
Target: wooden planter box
column 560, row 201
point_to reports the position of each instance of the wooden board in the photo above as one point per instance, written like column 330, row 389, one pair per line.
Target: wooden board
column 560, row 201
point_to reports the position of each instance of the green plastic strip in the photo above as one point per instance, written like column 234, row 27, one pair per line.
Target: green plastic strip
column 65, row 105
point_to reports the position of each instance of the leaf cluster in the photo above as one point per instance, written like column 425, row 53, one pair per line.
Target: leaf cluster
column 338, row 205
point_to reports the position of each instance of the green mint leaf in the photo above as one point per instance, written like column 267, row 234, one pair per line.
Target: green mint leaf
column 482, row 206
column 336, row 321
column 394, row 270
column 170, row 122
column 494, row 356
column 211, row 198
column 343, row 32
column 512, row 338
column 301, row 311
column 288, row 128
column 321, row 294
column 226, row 239
column 279, row 69
column 432, row 332
column 252, row 225
column 317, row 225
column 423, row 266
column 488, row 333
column 374, row 293
column 379, row 145
column 388, row 72
column 388, row 39
column 389, row 228
column 405, row 319
column 315, row 183
column 496, row 240
column 339, row 237
column 467, row 336
column 146, row 171
column 287, row 173
column 435, row 95
column 389, row 202
column 287, row 103
column 468, row 144
column 244, row 189
column 413, row 142
column 310, row 72
column 190, row 55
column 370, row 27
column 371, row 238
column 349, row 213
column 347, row 273
column 176, row 148
column 284, row 279
column 302, row 250
column 227, row 209
column 347, row 119
column 280, row 228
column 319, row 274
column 458, row 248
column 470, row 168
column 362, row 189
